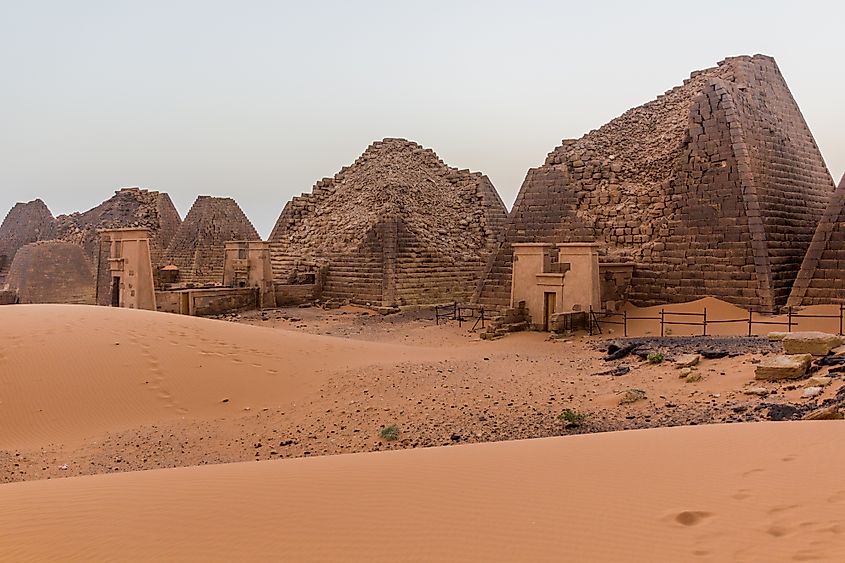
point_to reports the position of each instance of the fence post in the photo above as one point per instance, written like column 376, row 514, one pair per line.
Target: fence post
column 661, row 322
column 625, row 322
column 590, row 320
column 750, row 323
column 789, row 319
column 841, row 308
column 705, row 322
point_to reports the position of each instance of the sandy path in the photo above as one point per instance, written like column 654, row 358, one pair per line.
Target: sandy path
column 750, row 492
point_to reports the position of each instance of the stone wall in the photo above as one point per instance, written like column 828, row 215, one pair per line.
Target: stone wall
column 397, row 227
column 52, row 272
column 204, row 302
column 822, row 276
column 198, row 247
column 714, row 188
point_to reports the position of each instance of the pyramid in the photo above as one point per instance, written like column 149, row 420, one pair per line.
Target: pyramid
column 822, row 276
column 25, row 223
column 397, row 227
column 197, row 249
column 713, row 189
column 52, row 272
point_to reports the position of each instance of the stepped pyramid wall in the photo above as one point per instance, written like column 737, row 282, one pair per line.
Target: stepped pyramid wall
column 198, row 247
column 52, row 272
column 822, row 276
column 714, row 188
column 25, row 223
column 397, row 227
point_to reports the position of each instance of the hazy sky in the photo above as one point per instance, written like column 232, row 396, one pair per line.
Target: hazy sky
column 258, row 100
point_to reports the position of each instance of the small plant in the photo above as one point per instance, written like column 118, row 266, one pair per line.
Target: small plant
column 390, row 433
column 655, row 357
column 571, row 417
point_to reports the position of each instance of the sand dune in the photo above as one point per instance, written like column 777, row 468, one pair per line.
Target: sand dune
column 69, row 372
column 749, row 492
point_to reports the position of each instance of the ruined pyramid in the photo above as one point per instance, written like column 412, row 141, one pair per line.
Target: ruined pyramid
column 197, row 249
column 25, row 223
column 52, row 271
column 713, row 189
column 397, row 227
column 822, row 276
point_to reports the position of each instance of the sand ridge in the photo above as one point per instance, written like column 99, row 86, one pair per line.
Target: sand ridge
column 748, row 492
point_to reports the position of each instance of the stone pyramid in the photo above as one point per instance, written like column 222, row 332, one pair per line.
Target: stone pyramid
column 197, row 249
column 713, row 189
column 397, row 227
column 822, row 276
column 25, row 223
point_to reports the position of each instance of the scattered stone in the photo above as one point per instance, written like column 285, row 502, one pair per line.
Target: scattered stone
column 819, row 381
column 783, row 412
column 632, row 396
column 825, row 413
column 615, row 372
column 713, row 354
column 684, row 372
column 759, row 391
column 687, row 360
column 815, row 343
column 811, row 392
column 694, row 377
column 775, row 368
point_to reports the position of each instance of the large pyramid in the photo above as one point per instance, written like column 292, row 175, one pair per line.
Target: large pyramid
column 822, row 276
column 129, row 207
column 197, row 249
column 25, row 223
column 714, row 188
column 397, row 227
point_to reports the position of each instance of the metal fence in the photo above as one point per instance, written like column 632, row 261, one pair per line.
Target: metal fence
column 460, row 312
column 684, row 318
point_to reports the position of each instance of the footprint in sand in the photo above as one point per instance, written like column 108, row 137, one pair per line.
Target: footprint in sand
column 692, row 517
column 837, row 497
column 741, row 494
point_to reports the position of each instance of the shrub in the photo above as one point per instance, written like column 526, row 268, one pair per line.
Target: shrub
column 655, row 357
column 390, row 433
column 571, row 417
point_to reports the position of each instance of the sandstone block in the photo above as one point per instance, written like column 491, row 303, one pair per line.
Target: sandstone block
column 783, row 367
column 815, row 343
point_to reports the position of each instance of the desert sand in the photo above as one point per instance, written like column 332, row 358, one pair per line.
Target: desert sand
column 90, row 396
column 746, row 492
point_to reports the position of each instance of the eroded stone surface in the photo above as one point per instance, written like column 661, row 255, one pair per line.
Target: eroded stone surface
column 774, row 368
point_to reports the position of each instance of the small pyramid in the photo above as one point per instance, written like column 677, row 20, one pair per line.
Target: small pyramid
column 713, row 189
column 822, row 276
column 397, row 227
column 197, row 249
column 52, row 272
column 25, row 223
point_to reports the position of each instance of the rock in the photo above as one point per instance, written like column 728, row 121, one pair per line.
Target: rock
column 632, row 396
column 694, row 377
column 811, row 392
column 759, row 391
column 713, row 354
column 777, row 336
column 774, row 368
column 824, row 413
column 687, row 360
column 819, row 381
column 838, row 351
column 815, row 343
column 684, row 372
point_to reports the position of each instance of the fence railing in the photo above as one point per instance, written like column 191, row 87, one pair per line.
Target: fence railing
column 668, row 319
column 461, row 313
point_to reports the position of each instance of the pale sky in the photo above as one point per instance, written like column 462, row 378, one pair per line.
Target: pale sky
column 257, row 100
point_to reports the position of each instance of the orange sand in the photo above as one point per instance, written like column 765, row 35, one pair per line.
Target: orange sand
column 749, row 492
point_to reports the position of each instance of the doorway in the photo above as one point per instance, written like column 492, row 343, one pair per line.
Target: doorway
column 115, row 292
column 549, row 308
